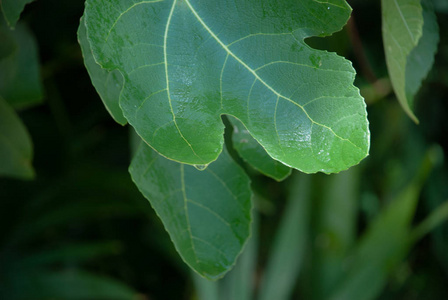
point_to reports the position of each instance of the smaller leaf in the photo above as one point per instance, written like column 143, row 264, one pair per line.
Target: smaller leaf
column 239, row 282
column 254, row 154
column 410, row 35
column 12, row 10
column 207, row 213
column 15, row 145
column 20, row 82
column 421, row 58
column 108, row 84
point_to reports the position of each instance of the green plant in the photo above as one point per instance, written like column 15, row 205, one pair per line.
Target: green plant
column 217, row 90
column 203, row 64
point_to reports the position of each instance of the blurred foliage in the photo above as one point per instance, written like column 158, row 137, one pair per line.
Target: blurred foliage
column 81, row 229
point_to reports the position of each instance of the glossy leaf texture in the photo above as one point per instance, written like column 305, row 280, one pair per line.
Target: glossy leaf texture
column 207, row 213
column 185, row 63
column 410, row 35
column 20, row 82
column 108, row 84
column 252, row 152
column 15, row 145
column 12, row 10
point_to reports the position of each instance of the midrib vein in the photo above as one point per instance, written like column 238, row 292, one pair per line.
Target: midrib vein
column 165, row 38
column 404, row 22
column 254, row 73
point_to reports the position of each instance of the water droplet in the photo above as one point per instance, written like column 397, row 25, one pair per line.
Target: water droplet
column 201, row 167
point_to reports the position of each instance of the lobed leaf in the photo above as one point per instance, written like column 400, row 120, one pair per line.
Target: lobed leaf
column 187, row 62
column 251, row 151
column 15, row 145
column 207, row 213
column 410, row 35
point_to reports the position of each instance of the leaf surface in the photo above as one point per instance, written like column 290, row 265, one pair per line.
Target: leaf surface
column 15, row 145
column 187, row 62
column 108, row 84
column 251, row 151
column 207, row 213
column 12, row 10
column 20, row 82
column 410, row 35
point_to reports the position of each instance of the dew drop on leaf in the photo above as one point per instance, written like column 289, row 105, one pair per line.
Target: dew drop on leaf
column 201, row 167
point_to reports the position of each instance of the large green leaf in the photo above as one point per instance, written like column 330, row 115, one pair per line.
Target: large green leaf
column 15, row 145
column 12, row 10
column 20, row 82
column 251, row 151
column 107, row 84
column 207, row 213
column 186, row 62
column 410, row 35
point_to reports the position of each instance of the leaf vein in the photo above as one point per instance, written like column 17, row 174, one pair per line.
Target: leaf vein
column 165, row 39
column 125, row 12
column 211, row 245
column 405, row 22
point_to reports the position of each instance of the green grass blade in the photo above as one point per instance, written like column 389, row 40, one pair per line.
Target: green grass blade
column 335, row 230
column 288, row 249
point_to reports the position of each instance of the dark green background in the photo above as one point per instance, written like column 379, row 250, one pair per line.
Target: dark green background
column 83, row 193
